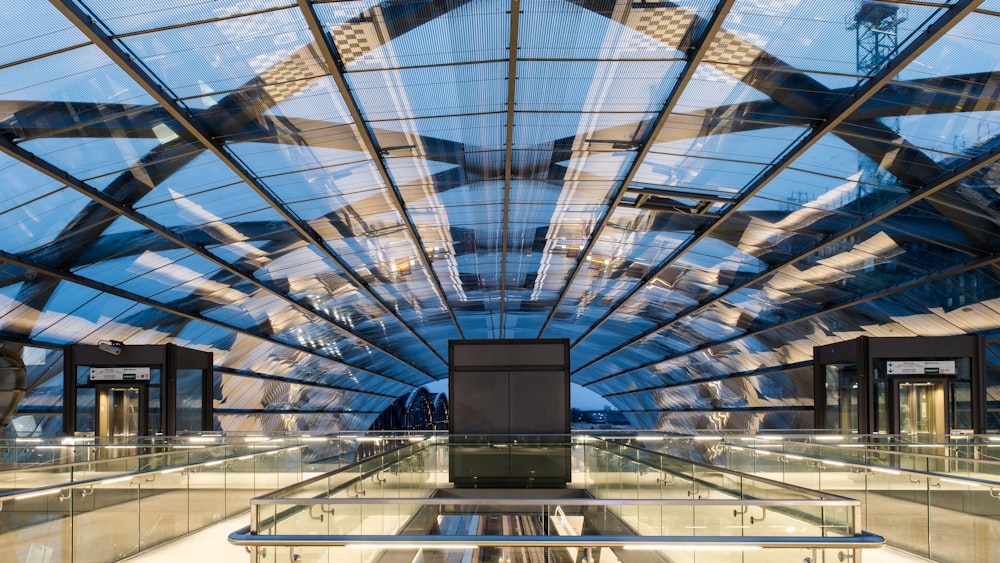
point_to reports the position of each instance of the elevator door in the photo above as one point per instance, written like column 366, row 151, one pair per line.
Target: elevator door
column 922, row 408
column 118, row 411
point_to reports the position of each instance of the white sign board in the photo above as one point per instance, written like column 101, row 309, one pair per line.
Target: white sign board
column 119, row 374
column 921, row 367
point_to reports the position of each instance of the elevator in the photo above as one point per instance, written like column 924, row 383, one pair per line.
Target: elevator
column 118, row 392
column 924, row 385
column 118, row 412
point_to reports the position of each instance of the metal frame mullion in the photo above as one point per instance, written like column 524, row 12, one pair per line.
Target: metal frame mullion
column 697, row 54
column 65, row 276
column 88, row 25
column 335, row 66
column 63, row 177
column 861, row 95
column 515, row 18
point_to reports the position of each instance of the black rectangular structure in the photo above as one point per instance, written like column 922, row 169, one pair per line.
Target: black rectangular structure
column 509, row 412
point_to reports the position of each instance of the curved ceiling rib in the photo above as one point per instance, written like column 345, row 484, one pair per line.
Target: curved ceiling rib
column 91, row 28
column 830, row 122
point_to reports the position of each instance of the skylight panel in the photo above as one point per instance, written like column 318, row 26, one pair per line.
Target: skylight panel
column 39, row 29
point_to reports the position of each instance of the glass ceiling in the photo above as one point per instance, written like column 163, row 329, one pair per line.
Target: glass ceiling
column 328, row 192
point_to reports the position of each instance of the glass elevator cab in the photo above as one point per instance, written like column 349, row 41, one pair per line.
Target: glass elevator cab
column 116, row 392
column 924, row 385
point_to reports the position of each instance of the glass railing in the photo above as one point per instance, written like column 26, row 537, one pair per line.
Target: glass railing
column 937, row 505
column 619, row 498
column 108, row 509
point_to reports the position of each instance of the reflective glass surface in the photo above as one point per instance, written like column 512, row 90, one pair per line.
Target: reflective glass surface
column 326, row 193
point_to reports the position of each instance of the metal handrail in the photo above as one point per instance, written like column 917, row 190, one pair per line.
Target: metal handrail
column 744, row 476
column 534, row 501
column 242, row 537
column 84, row 483
column 174, row 448
column 868, row 466
column 328, row 474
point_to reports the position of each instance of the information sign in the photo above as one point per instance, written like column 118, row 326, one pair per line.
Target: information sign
column 921, row 367
column 119, row 374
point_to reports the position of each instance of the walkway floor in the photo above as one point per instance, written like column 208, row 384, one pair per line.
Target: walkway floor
column 210, row 544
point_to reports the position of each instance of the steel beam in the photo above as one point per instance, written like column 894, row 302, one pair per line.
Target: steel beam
column 515, row 18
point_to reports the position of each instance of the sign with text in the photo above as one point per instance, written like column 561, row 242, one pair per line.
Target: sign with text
column 119, row 374
column 921, row 367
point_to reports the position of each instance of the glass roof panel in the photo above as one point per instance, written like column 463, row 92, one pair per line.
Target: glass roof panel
column 583, row 86
column 273, row 47
column 823, row 37
column 39, row 30
column 459, row 139
column 974, row 38
column 421, row 32
column 245, row 392
column 125, row 16
column 60, row 314
column 430, row 92
column 70, row 77
column 36, row 210
column 737, row 314
column 949, row 138
column 553, row 29
column 95, row 161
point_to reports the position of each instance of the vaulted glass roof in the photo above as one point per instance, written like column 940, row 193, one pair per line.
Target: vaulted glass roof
column 323, row 194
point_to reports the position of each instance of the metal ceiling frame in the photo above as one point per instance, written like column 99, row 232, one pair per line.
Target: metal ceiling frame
column 837, row 116
column 181, row 241
column 696, row 55
column 89, row 25
column 515, row 19
column 335, row 66
column 63, row 276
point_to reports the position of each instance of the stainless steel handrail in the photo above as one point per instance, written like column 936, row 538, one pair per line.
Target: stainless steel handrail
column 863, row 540
column 973, row 481
column 84, row 483
column 841, row 501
